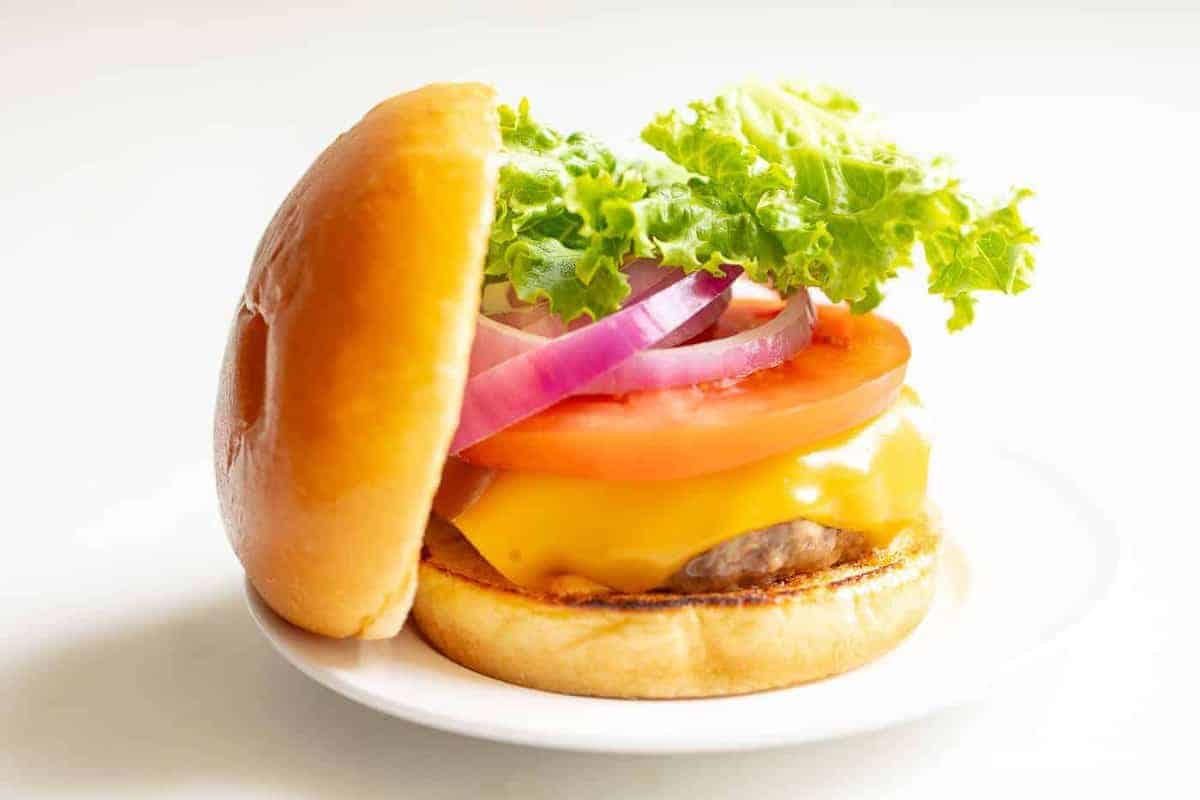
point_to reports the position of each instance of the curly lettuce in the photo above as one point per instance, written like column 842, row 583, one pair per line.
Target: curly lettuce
column 793, row 183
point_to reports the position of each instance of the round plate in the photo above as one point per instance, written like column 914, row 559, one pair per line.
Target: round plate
column 1011, row 522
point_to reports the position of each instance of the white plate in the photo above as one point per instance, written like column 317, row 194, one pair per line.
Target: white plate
column 1026, row 558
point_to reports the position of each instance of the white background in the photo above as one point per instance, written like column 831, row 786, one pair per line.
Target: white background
column 142, row 150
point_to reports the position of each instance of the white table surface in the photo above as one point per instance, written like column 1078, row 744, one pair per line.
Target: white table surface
column 142, row 151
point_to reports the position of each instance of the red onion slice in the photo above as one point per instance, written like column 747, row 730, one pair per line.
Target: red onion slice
column 501, row 303
column 759, row 348
column 699, row 323
column 504, row 318
column 497, row 340
column 766, row 346
column 536, row 379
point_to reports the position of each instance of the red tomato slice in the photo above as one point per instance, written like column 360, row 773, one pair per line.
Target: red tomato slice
column 851, row 372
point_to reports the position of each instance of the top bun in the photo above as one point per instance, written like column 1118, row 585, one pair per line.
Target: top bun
column 345, row 368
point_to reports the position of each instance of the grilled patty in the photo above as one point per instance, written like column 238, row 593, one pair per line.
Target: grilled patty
column 762, row 556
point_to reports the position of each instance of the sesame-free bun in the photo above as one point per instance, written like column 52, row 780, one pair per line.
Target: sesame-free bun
column 663, row 645
column 346, row 364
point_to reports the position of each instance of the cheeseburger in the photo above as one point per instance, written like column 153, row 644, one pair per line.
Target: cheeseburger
column 576, row 414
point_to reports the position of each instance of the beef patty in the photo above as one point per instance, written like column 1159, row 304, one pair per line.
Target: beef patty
column 759, row 557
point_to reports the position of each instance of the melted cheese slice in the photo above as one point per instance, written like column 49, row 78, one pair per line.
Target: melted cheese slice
column 535, row 528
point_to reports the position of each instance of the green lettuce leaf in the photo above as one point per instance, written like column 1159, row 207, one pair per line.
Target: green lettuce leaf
column 793, row 183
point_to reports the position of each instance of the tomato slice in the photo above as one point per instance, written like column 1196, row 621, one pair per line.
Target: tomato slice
column 852, row 371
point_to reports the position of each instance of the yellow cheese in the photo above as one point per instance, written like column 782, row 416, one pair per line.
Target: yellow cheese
column 633, row 535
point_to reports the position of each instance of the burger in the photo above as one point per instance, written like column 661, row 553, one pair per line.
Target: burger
column 575, row 413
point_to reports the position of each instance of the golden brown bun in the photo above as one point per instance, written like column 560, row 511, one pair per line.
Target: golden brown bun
column 347, row 360
column 661, row 645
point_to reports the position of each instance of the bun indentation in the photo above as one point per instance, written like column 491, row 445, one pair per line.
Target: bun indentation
column 251, row 366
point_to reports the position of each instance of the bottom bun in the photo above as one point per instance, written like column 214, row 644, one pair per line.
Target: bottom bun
column 659, row 645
